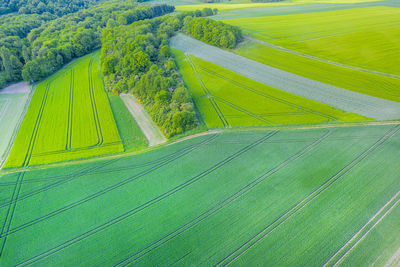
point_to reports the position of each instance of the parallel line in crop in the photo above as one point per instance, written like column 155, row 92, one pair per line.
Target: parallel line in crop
column 68, row 145
column 300, row 205
column 229, row 200
column 304, row 109
column 207, row 93
column 10, row 213
column 94, row 107
column 144, row 164
column 104, row 191
column 36, row 127
column 56, row 152
column 147, row 204
column 96, row 170
column 17, row 188
column 184, row 151
column 245, row 111
column 345, row 250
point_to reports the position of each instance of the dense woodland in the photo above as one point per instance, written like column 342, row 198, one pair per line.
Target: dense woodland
column 41, row 46
column 137, row 59
column 57, row 7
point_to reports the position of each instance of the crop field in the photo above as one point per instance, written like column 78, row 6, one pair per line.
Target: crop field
column 359, row 37
column 73, row 106
column 234, row 198
column 131, row 135
column 227, row 99
column 244, row 4
column 350, row 79
column 11, row 109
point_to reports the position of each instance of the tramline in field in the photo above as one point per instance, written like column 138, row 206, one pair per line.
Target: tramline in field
column 244, row 200
column 73, row 105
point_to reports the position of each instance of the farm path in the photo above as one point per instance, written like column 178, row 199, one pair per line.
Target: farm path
column 148, row 127
column 320, row 59
column 340, row 98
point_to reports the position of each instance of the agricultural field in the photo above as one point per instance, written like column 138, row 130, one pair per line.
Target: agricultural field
column 355, row 80
column 237, row 197
column 131, row 135
column 73, row 106
column 226, row 6
column 360, row 37
column 226, row 99
column 13, row 101
column 345, row 100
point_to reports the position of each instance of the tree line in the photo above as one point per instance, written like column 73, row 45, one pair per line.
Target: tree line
column 213, row 32
column 137, row 59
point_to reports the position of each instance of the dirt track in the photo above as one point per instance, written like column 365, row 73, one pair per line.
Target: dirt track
column 369, row 106
column 149, row 129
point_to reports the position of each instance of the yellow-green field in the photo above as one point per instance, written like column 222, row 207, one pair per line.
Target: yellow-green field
column 237, row 4
column 69, row 117
column 363, row 37
column 227, row 99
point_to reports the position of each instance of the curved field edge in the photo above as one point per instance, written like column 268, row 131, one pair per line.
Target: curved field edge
column 71, row 104
column 235, row 182
column 276, row 102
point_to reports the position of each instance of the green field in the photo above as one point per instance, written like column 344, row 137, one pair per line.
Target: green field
column 244, row 4
column 289, row 198
column 69, row 117
column 362, row 37
column 226, row 99
column 355, row 80
column 131, row 135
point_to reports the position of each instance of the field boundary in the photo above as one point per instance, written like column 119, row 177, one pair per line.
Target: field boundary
column 208, row 132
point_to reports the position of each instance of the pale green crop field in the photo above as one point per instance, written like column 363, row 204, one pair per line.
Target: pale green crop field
column 226, row 99
column 350, row 79
column 11, row 109
column 289, row 198
column 73, row 106
column 363, row 37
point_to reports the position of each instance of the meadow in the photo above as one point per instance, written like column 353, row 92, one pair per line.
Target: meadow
column 238, row 197
column 226, row 99
column 359, row 37
column 73, row 106
column 350, row 79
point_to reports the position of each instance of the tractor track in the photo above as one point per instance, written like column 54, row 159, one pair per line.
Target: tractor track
column 223, row 203
column 300, row 205
column 145, row 205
